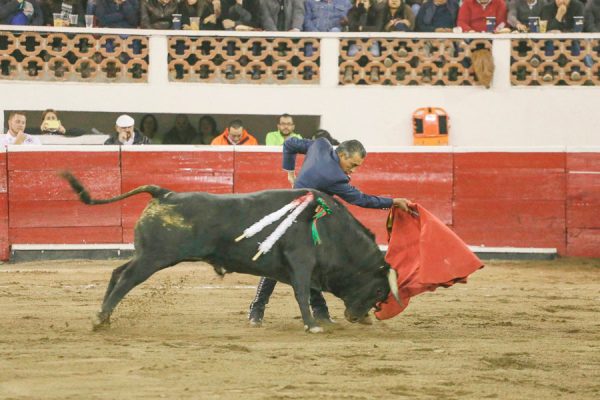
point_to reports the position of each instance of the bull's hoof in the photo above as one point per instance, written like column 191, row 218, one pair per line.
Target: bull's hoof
column 366, row 320
column 255, row 322
column 100, row 322
column 314, row 329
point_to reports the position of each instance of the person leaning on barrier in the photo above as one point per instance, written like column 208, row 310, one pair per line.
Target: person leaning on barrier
column 591, row 15
column 328, row 170
column 437, row 16
column 326, row 16
column 285, row 130
column 200, row 9
column 395, row 16
column 472, row 14
column 519, row 12
column 282, row 15
column 118, row 13
column 21, row 12
column 125, row 133
column 64, row 7
column 235, row 135
column 157, row 14
column 240, row 15
column 17, row 121
column 560, row 15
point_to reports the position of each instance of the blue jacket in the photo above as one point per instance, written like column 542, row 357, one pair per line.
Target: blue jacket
column 111, row 15
column 431, row 17
column 325, row 15
column 321, row 170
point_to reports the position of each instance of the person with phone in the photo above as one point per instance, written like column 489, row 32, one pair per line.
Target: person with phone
column 51, row 125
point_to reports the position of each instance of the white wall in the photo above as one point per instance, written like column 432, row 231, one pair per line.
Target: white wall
column 379, row 116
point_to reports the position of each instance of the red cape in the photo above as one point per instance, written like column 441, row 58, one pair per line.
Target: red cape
column 426, row 254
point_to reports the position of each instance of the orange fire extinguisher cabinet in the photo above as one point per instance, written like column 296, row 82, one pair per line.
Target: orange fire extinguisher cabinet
column 430, row 126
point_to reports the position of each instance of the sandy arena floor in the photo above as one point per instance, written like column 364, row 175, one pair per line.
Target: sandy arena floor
column 528, row 330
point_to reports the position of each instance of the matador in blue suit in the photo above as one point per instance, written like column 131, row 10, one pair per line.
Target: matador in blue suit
column 328, row 170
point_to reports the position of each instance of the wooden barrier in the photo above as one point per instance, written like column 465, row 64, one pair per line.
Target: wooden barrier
column 44, row 209
column 510, row 199
column 545, row 199
column 425, row 178
column 583, row 204
column 179, row 168
column 4, row 240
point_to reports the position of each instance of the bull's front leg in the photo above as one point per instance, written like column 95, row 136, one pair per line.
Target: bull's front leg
column 301, row 285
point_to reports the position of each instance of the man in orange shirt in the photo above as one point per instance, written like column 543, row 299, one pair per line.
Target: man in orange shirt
column 235, row 135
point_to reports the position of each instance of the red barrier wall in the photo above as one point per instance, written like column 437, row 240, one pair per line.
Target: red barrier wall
column 510, row 199
column 259, row 171
column 583, row 204
column 184, row 170
column 495, row 199
column 422, row 177
column 44, row 209
column 4, row 241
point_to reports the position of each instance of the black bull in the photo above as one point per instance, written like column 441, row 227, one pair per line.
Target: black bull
column 198, row 226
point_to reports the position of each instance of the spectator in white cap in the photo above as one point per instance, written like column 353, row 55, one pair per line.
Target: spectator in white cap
column 125, row 133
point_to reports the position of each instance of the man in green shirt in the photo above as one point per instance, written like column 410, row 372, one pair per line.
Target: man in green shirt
column 285, row 130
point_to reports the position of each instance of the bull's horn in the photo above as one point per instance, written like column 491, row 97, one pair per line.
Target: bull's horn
column 393, row 281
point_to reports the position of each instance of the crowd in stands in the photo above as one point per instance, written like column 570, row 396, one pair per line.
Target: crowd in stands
column 311, row 15
column 147, row 132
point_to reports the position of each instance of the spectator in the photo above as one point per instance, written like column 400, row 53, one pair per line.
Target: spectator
column 472, row 14
column 195, row 8
column 64, row 7
column 322, row 133
column 235, row 135
column 240, row 15
column 285, row 130
column 519, row 12
column 560, row 13
column 125, row 133
column 395, row 16
column 182, row 132
column 149, row 128
column 213, row 20
column 157, row 14
column 21, row 12
column 592, row 16
column 325, row 15
column 207, row 128
column 437, row 16
column 362, row 17
column 16, row 131
column 282, row 15
column 415, row 6
column 51, row 125
column 118, row 13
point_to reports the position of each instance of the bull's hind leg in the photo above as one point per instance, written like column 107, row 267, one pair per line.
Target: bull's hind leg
column 133, row 273
column 116, row 274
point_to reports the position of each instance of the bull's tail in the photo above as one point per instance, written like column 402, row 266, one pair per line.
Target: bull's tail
column 84, row 196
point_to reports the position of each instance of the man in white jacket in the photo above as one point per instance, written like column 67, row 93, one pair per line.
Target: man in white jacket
column 16, row 131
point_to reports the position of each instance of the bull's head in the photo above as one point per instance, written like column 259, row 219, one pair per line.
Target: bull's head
column 372, row 290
